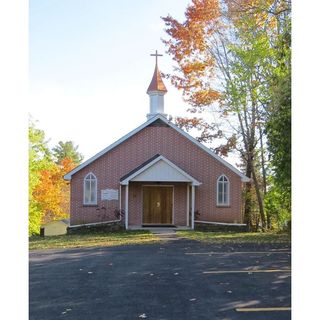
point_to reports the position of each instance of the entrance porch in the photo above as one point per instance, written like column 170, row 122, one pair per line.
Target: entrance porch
column 158, row 194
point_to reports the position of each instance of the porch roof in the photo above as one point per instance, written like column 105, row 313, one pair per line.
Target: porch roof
column 160, row 169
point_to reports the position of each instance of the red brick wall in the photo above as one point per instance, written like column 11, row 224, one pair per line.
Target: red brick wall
column 110, row 167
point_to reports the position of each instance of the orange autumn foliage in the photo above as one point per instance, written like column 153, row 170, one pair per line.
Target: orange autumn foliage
column 189, row 47
column 53, row 192
column 190, row 42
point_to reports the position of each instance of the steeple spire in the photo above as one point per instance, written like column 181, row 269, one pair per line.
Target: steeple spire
column 156, row 91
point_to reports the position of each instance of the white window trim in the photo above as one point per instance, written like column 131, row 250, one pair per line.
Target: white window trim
column 84, row 190
column 228, row 192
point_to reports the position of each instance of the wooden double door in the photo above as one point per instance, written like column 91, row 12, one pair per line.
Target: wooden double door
column 157, row 204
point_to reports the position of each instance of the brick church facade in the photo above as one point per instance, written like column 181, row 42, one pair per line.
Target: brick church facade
column 158, row 175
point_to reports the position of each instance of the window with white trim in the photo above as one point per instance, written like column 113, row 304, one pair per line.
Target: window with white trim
column 223, row 191
column 90, row 189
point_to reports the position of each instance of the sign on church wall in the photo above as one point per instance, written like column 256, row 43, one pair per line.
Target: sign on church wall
column 110, row 194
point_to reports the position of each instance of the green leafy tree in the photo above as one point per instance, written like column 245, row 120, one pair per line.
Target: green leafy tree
column 278, row 124
column 277, row 208
column 279, row 137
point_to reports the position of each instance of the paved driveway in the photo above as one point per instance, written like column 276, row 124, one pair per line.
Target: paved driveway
column 175, row 279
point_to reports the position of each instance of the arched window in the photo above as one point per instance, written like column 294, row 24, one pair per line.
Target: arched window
column 223, row 191
column 90, row 189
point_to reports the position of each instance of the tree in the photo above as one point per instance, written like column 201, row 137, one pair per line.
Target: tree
column 49, row 193
column 52, row 192
column 39, row 159
column 278, row 126
column 67, row 150
column 225, row 52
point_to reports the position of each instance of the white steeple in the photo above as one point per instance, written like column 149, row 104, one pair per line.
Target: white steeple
column 156, row 92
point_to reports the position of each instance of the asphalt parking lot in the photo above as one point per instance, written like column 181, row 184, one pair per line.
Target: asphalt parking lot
column 174, row 279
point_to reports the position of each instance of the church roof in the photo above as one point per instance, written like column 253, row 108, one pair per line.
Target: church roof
column 156, row 83
column 141, row 127
column 142, row 165
column 158, row 168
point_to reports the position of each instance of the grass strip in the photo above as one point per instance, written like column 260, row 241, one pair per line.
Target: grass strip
column 236, row 237
column 91, row 240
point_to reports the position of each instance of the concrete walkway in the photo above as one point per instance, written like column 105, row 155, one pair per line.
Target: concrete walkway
column 166, row 234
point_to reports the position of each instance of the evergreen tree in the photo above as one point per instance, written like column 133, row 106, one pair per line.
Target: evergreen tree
column 67, row 150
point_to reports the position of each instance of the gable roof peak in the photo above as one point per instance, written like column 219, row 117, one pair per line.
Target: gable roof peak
column 152, row 119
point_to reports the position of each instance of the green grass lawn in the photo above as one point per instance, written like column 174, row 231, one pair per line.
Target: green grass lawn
column 108, row 239
column 92, row 240
column 235, row 237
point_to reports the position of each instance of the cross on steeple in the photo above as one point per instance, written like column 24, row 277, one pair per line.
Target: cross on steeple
column 156, row 55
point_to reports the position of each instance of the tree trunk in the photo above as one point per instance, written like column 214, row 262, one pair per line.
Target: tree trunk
column 264, row 176
column 248, row 200
column 259, row 197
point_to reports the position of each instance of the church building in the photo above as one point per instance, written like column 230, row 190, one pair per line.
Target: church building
column 157, row 175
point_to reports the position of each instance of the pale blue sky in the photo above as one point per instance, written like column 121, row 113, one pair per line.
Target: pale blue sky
column 90, row 66
column 83, row 44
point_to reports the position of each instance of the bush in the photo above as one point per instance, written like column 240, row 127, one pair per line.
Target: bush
column 277, row 208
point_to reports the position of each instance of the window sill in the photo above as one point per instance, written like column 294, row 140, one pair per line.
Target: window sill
column 90, row 205
column 223, row 206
